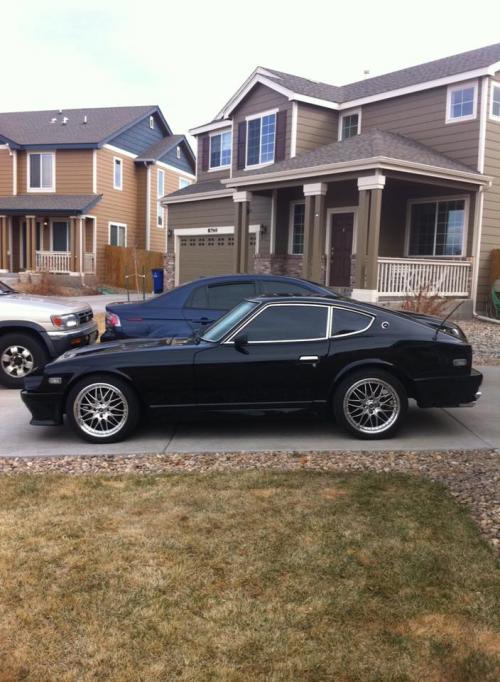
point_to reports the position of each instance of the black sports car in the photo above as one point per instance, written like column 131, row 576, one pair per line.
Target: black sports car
column 358, row 362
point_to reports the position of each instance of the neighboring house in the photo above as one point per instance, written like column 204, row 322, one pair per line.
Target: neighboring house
column 376, row 188
column 73, row 181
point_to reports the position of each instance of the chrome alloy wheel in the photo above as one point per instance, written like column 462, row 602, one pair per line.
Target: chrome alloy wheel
column 100, row 410
column 17, row 361
column 371, row 405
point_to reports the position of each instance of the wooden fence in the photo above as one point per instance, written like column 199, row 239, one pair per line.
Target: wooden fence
column 125, row 260
column 494, row 265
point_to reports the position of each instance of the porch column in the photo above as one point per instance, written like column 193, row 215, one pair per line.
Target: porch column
column 314, row 230
column 4, row 237
column 73, row 244
column 241, row 233
column 368, row 236
column 30, row 243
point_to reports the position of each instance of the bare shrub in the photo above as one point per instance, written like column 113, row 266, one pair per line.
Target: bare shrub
column 424, row 300
column 46, row 285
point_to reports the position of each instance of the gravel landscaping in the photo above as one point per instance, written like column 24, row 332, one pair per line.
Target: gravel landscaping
column 472, row 476
column 485, row 340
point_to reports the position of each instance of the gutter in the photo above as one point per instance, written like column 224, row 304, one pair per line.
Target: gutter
column 148, row 206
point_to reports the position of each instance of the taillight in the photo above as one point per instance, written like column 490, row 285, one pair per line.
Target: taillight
column 112, row 320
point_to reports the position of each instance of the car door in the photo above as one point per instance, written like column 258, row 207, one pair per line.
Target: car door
column 210, row 301
column 282, row 364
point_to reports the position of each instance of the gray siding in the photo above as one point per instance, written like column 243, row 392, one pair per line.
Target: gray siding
column 490, row 236
column 261, row 98
column 140, row 136
column 210, row 174
column 315, row 127
column 421, row 116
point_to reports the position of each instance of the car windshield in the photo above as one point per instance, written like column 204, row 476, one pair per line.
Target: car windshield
column 223, row 325
column 5, row 289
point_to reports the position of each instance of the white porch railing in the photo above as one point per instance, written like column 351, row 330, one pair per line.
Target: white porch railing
column 53, row 261
column 88, row 262
column 406, row 276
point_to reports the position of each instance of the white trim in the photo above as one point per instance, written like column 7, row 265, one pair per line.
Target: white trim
column 483, row 114
column 293, row 141
column 4, row 146
column 356, row 312
column 215, row 125
column 117, row 224
column 476, row 247
column 261, row 114
column 291, row 216
column 148, row 208
column 314, row 189
column 11, row 242
column 14, row 172
column 120, row 186
column 30, row 189
column 201, row 196
column 253, row 117
column 152, row 122
column 272, row 226
column 242, row 196
column 94, row 171
column 375, row 181
column 256, row 77
column 351, row 112
column 217, row 134
column 198, row 231
column 119, row 150
column 328, row 241
column 160, row 211
column 167, row 166
column 186, row 180
column 456, row 88
column 436, row 200
column 493, row 84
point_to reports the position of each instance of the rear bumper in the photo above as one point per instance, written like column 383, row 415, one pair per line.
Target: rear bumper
column 46, row 408
column 448, row 391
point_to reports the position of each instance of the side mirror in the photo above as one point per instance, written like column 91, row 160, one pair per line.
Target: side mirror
column 240, row 343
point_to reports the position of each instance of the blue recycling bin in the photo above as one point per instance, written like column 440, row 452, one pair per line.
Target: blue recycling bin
column 157, row 280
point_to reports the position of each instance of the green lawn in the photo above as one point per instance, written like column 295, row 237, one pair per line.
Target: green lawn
column 243, row 576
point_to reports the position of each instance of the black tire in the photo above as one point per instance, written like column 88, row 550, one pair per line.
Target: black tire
column 373, row 420
column 93, row 418
column 29, row 355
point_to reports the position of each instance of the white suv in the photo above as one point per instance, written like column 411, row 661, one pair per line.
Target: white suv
column 35, row 329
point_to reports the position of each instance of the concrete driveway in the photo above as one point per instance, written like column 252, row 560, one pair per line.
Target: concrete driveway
column 477, row 427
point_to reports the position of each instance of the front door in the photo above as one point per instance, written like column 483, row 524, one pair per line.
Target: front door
column 341, row 249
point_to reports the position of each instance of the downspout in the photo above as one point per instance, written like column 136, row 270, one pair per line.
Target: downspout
column 148, row 205
column 480, row 166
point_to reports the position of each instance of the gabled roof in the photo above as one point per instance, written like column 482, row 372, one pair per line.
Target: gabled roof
column 162, row 147
column 67, row 127
column 484, row 60
column 55, row 204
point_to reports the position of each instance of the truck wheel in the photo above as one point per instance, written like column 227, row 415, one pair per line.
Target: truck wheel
column 20, row 354
column 370, row 404
column 102, row 409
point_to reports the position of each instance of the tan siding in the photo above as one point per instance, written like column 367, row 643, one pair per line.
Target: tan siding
column 74, row 171
column 5, row 172
column 490, row 236
column 211, row 213
column 260, row 98
column 141, row 175
column 315, row 127
column 22, row 180
column 210, row 174
column 421, row 116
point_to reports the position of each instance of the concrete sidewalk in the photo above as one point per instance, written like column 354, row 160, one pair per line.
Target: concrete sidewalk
column 436, row 429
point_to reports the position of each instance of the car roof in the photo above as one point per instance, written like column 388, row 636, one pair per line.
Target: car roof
column 300, row 298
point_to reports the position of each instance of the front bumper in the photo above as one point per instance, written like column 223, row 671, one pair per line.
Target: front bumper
column 61, row 341
column 448, row 391
column 46, row 408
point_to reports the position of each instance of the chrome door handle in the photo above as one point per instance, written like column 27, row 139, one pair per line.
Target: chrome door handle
column 308, row 358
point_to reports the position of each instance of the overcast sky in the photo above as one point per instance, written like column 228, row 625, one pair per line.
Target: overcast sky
column 190, row 56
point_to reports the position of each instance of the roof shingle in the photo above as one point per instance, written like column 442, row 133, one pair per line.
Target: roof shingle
column 47, row 203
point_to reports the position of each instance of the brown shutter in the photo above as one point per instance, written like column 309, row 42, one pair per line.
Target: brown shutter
column 242, row 144
column 279, row 152
column 205, row 151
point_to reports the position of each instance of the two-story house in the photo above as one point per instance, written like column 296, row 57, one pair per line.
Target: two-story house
column 73, row 181
column 379, row 188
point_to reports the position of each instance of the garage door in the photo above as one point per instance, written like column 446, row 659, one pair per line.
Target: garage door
column 200, row 256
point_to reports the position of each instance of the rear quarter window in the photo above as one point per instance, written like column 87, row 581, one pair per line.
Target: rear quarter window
column 346, row 322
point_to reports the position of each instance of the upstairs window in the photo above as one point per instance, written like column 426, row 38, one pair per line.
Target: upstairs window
column 261, row 139
column 151, row 122
column 184, row 182
column 437, row 228
column 461, row 102
column 350, row 125
column 296, row 239
column 117, row 173
column 495, row 101
column 220, row 150
column 41, row 176
column 160, row 190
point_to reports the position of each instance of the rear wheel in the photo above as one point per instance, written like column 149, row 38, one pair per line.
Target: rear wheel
column 103, row 409
column 20, row 354
column 370, row 404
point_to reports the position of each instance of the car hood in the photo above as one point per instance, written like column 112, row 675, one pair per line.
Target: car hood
column 125, row 346
column 41, row 304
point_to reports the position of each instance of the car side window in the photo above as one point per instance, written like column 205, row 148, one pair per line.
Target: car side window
column 226, row 296
column 346, row 322
column 288, row 323
column 269, row 288
column 198, row 298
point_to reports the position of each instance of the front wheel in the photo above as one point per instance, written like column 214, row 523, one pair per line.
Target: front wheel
column 20, row 354
column 102, row 409
column 370, row 404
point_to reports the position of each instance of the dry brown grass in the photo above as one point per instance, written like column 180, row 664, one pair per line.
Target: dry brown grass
column 244, row 576
column 47, row 285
